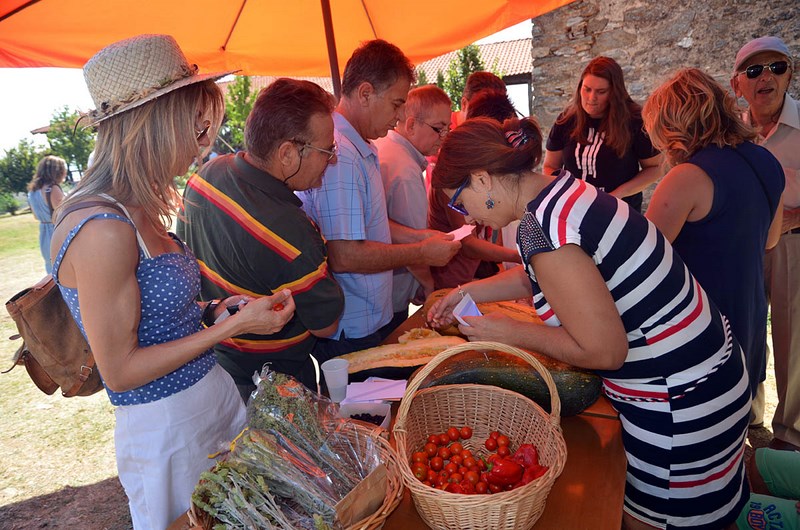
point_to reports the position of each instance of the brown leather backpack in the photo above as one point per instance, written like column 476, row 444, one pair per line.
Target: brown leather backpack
column 54, row 351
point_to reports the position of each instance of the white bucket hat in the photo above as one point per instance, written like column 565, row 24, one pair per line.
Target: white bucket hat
column 133, row 71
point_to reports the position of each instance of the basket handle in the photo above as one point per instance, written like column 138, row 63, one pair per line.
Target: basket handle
column 416, row 381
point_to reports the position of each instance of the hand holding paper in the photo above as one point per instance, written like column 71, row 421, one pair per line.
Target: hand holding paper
column 460, row 233
column 466, row 308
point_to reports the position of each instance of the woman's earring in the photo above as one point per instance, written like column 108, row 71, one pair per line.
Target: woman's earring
column 489, row 202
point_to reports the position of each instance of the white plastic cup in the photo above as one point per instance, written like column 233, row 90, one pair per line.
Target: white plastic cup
column 335, row 371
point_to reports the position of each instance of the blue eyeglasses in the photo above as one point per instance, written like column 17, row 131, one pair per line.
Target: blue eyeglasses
column 459, row 207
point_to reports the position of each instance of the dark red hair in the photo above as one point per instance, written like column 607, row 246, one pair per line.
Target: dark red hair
column 481, row 144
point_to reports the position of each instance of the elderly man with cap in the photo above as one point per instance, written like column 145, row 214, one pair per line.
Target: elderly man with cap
column 761, row 75
column 246, row 226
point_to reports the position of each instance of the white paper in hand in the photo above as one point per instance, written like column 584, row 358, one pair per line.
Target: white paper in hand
column 466, row 308
column 460, row 233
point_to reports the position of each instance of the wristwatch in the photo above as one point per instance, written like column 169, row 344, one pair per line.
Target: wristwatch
column 208, row 312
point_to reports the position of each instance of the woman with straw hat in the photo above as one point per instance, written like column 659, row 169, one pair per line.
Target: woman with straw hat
column 132, row 286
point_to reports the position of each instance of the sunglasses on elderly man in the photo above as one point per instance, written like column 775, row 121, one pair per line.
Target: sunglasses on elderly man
column 755, row 70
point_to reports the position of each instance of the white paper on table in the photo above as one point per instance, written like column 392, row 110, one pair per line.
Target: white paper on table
column 387, row 390
column 466, row 308
column 461, row 233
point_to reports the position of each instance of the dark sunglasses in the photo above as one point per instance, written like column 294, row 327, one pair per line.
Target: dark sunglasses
column 204, row 131
column 458, row 207
column 755, row 70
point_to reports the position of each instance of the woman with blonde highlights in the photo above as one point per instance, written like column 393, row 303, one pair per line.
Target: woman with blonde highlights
column 44, row 196
column 132, row 287
column 599, row 137
column 720, row 203
column 615, row 298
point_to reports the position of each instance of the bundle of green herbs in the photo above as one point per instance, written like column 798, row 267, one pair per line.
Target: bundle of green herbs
column 292, row 464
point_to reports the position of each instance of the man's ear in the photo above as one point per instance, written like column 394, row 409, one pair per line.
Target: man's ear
column 364, row 92
column 288, row 153
column 735, row 86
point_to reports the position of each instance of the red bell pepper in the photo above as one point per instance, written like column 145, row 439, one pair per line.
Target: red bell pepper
column 528, row 457
column 505, row 472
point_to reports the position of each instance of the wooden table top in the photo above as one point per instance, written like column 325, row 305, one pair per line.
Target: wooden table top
column 588, row 494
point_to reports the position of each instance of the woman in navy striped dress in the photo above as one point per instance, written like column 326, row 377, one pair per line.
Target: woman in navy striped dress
column 616, row 298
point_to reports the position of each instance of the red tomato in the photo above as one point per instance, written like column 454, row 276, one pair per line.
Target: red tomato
column 463, row 470
column 481, row 487
column 432, row 476
column 503, row 450
column 472, row 476
column 456, row 477
column 433, row 439
column 456, row 448
column 494, row 434
column 468, row 461
column 466, row 453
column 420, row 471
column 441, row 481
column 431, row 449
column 466, row 432
column 503, row 440
column 475, row 468
column 437, row 463
column 444, row 439
column 494, row 488
column 453, row 434
column 444, row 452
column 451, row 468
column 481, row 464
column 420, row 456
column 490, row 444
column 457, row 459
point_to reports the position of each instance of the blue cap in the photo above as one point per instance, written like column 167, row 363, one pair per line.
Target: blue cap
column 761, row 44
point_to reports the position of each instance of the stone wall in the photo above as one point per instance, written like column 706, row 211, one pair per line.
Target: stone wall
column 650, row 40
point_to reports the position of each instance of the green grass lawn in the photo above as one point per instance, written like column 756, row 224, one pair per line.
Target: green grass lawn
column 48, row 441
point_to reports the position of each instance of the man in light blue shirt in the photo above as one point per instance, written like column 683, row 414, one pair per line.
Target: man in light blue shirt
column 350, row 207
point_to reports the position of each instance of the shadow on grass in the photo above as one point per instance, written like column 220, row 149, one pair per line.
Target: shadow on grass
column 99, row 506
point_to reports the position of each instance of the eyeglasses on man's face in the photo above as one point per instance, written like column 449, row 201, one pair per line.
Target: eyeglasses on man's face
column 441, row 131
column 204, row 131
column 330, row 152
column 458, row 206
column 755, row 70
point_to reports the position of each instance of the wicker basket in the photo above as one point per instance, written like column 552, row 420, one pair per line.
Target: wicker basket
column 485, row 409
column 357, row 432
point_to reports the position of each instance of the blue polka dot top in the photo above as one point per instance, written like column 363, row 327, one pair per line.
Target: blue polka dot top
column 169, row 285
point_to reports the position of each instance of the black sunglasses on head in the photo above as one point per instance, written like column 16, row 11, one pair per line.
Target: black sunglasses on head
column 755, row 70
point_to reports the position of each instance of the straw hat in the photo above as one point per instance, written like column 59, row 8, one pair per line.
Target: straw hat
column 133, row 71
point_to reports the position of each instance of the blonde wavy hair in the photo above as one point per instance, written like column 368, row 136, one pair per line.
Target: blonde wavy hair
column 139, row 152
column 691, row 111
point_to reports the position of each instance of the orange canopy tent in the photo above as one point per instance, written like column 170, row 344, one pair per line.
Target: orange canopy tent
column 258, row 37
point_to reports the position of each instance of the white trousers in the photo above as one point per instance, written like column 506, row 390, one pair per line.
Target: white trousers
column 163, row 446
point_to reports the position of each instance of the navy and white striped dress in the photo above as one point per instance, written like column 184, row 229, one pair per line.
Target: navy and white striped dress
column 682, row 393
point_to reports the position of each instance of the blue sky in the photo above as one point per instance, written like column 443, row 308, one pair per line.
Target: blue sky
column 30, row 96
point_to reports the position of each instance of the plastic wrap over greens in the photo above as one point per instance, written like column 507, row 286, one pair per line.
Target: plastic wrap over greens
column 291, row 466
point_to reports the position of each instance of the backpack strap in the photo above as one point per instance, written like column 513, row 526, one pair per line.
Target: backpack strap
column 47, row 193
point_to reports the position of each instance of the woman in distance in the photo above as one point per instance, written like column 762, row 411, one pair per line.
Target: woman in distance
column 617, row 299
column 599, row 136
column 44, row 196
column 132, row 286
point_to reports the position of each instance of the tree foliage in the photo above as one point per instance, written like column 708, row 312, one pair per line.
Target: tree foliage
column 467, row 60
column 18, row 166
column 422, row 77
column 73, row 144
column 239, row 102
